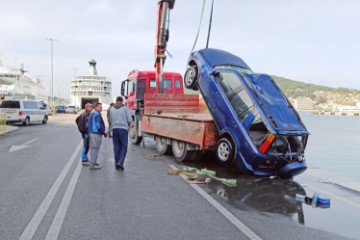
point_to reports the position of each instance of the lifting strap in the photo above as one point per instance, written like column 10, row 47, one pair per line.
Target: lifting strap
column 197, row 35
column 210, row 22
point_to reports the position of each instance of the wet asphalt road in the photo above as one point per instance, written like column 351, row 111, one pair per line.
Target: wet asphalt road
column 45, row 194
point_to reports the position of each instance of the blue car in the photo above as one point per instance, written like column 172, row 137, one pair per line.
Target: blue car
column 259, row 130
column 60, row 109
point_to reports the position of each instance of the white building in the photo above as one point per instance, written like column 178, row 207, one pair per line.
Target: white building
column 302, row 103
column 91, row 88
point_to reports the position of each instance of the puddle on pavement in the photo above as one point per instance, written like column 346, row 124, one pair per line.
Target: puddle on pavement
column 264, row 195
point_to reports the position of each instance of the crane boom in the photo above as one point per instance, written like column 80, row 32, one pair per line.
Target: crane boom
column 162, row 36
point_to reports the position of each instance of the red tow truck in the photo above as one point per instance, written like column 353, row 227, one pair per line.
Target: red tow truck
column 180, row 123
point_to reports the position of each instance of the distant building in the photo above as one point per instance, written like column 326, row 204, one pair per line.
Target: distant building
column 302, row 103
column 91, row 88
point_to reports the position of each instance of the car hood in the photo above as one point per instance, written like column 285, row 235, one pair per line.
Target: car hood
column 216, row 57
column 285, row 117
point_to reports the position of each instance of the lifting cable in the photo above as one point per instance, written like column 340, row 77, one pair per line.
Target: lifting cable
column 197, row 34
column 210, row 22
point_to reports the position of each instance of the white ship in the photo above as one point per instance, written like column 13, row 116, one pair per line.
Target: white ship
column 91, row 88
column 14, row 84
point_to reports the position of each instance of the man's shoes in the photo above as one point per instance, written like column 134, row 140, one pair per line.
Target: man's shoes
column 119, row 167
column 85, row 162
column 95, row 166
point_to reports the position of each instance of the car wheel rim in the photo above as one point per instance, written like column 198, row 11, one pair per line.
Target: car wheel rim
column 223, row 151
column 189, row 78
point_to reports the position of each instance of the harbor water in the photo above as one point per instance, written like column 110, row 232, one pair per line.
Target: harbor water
column 334, row 144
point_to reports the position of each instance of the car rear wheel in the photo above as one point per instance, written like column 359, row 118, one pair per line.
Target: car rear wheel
column 181, row 153
column 134, row 137
column 161, row 145
column 190, row 77
column 27, row 121
column 44, row 121
column 224, row 151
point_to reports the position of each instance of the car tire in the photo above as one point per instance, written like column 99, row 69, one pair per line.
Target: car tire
column 190, row 77
column 225, row 151
column 27, row 121
column 44, row 121
column 134, row 137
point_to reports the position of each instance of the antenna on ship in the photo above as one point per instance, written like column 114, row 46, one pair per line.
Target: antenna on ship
column 22, row 70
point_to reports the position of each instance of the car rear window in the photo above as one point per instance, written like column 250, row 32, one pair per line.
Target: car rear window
column 10, row 104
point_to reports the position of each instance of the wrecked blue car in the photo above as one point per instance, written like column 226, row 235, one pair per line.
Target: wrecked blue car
column 260, row 131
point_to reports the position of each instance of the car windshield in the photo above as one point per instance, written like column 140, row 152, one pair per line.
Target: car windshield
column 234, row 68
column 10, row 104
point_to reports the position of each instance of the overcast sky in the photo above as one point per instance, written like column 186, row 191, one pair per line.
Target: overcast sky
column 305, row 40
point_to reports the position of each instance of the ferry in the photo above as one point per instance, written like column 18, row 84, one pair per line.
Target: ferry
column 14, row 84
column 90, row 88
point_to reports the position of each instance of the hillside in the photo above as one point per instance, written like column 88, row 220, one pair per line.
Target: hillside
column 296, row 89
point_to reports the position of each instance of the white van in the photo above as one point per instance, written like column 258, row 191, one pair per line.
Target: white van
column 24, row 111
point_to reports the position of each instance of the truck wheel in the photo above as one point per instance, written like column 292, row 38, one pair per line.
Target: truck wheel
column 27, row 121
column 161, row 145
column 224, row 151
column 190, row 77
column 180, row 152
column 134, row 138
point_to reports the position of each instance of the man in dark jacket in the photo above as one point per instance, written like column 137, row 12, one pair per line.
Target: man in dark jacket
column 96, row 128
column 81, row 122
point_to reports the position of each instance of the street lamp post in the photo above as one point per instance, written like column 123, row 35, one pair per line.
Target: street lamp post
column 52, row 72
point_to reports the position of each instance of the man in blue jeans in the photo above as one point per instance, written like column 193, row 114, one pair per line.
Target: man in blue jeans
column 120, row 119
column 81, row 122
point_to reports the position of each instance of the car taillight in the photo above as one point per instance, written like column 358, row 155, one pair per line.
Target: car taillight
column 265, row 146
column 20, row 113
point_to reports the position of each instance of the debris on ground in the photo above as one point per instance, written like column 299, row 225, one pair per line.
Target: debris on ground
column 193, row 174
column 314, row 201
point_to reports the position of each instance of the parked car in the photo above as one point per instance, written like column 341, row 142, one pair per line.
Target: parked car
column 71, row 109
column 24, row 111
column 259, row 129
column 60, row 109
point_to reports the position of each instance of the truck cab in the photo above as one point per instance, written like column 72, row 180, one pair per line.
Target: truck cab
column 140, row 82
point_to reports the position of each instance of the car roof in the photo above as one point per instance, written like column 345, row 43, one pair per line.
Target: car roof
column 216, row 57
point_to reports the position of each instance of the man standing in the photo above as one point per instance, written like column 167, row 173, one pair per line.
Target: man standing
column 120, row 119
column 96, row 128
column 81, row 122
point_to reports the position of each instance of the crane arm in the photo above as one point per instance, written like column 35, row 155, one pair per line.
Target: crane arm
column 162, row 36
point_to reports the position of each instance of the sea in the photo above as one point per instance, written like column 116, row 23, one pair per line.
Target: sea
column 334, row 144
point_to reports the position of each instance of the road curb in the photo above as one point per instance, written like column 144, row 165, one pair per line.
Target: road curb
column 10, row 129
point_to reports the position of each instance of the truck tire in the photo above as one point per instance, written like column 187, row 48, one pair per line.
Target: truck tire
column 161, row 145
column 180, row 152
column 134, row 138
column 190, row 77
column 224, row 151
